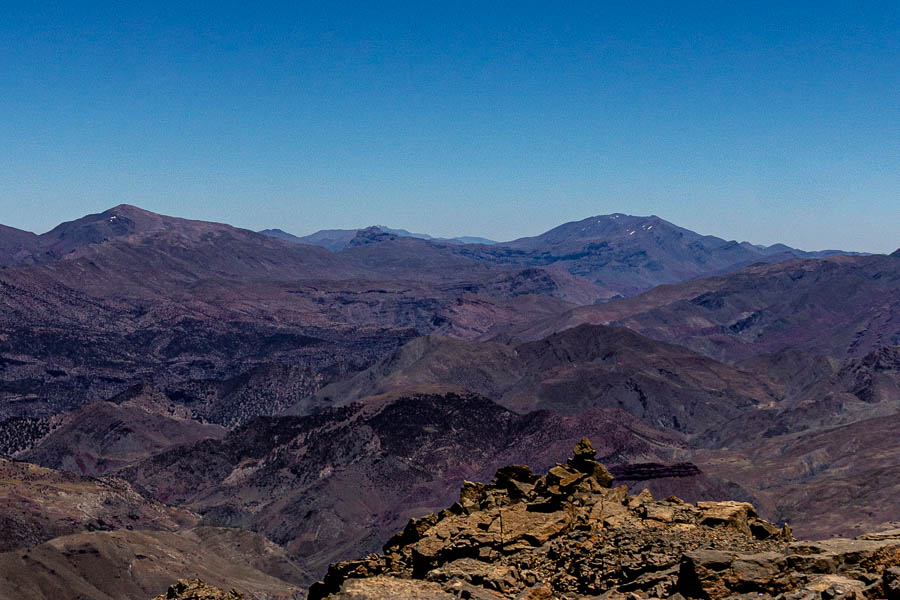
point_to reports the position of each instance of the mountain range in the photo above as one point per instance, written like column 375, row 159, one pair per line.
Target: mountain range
column 338, row 239
column 203, row 395
column 621, row 253
column 839, row 306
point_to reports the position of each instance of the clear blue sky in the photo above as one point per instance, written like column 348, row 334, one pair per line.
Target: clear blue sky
column 770, row 123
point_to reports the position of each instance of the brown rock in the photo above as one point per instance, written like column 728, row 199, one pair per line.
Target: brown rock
column 584, row 450
column 492, row 576
column 380, row 588
column 564, row 477
column 704, row 573
column 197, row 590
column 567, row 536
column 584, row 462
column 472, row 495
column 733, row 515
column 517, row 523
column 836, row 586
column 537, row 592
column 891, row 583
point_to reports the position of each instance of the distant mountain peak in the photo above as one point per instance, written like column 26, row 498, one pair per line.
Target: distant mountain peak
column 896, row 253
column 126, row 209
column 371, row 235
column 338, row 239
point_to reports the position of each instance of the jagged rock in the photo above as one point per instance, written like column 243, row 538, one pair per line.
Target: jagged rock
column 567, row 534
column 584, row 462
column 584, row 450
column 197, row 590
column 563, row 477
column 379, row 588
column 538, row 592
column 836, row 568
column 471, row 495
column 501, row 578
column 891, row 583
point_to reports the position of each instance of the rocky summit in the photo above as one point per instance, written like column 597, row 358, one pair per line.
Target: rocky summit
column 568, row 535
column 197, row 590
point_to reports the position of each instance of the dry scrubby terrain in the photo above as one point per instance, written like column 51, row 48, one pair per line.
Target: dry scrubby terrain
column 183, row 399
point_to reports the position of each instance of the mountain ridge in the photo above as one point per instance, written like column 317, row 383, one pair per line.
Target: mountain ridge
column 623, row 254
column 338, row 239
column 840, row 306
column 590, row 366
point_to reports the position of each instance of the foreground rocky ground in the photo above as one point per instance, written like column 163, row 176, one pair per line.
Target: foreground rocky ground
column 569, row 534
column 185, row 589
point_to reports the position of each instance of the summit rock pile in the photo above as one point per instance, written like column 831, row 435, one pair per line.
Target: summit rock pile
column 568, row 534
column 195, row 589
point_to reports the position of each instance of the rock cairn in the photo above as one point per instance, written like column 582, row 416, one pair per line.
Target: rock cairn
column 197, row 590
column 568, row 535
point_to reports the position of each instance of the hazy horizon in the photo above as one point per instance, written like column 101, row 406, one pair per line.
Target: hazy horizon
column 764, row 123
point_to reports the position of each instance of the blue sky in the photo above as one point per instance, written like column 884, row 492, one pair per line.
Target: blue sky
column 767, row 123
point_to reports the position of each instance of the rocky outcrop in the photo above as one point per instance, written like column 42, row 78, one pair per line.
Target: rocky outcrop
column 569, row 534
column 197, row 590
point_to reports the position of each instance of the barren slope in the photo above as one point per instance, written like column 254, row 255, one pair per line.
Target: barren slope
column 137, row 565
column 840, row 306
column 333, row 484
column 39, row 504
column 664, row 385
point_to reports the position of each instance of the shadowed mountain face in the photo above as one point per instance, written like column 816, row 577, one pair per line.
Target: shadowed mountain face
column 665, row 386
column 101, row 437
column 806, row 430
column 840, row 306
column 335, row 483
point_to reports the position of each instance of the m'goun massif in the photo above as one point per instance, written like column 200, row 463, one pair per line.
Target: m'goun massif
column 191, row 410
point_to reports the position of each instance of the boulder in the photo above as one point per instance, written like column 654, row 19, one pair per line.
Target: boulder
column 379, row 588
